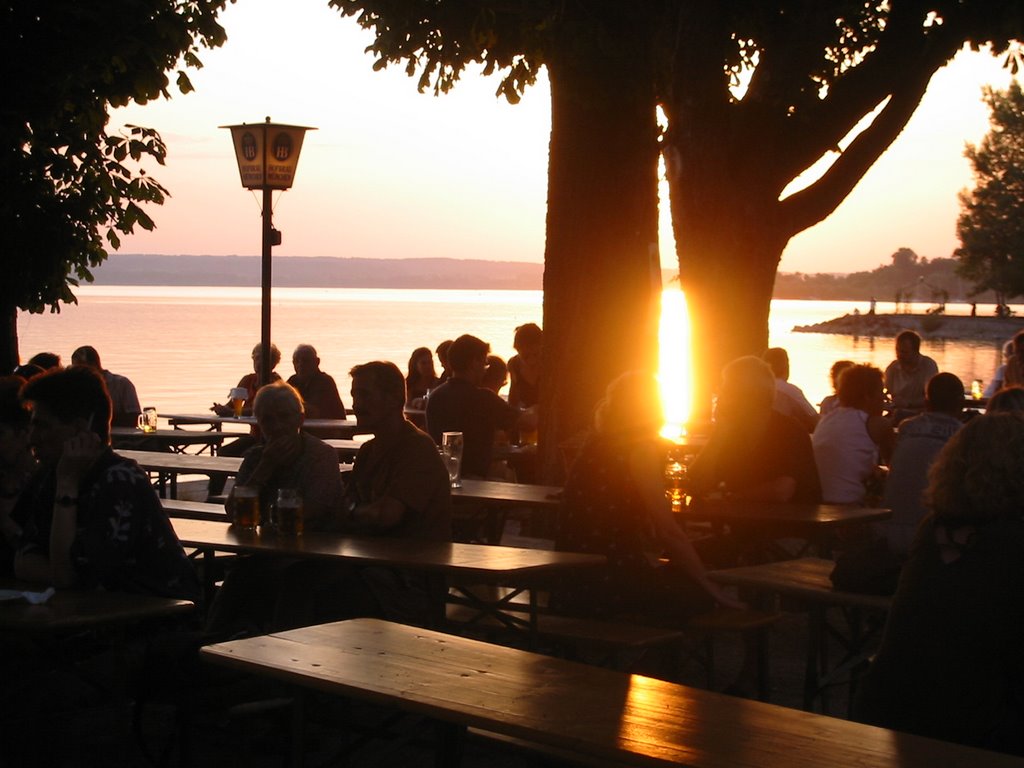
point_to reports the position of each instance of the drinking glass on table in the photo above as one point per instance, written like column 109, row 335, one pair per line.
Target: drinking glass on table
column 147, row 420
column 451, row 452
column 236, row 399
column 246, row 507
column 288, row 512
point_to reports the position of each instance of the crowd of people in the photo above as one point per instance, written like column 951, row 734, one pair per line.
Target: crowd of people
column 74, row 513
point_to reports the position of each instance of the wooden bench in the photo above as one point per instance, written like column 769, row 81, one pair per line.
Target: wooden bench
column 621, row 643
column 806, row 583
column 597, row 716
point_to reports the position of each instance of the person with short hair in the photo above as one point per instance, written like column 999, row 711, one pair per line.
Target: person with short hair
column 461, row 405
column 45, row 360
column 263, row 593
column 950, row 665
column 94, row 520
column 918, row 442
column 251, row 384
column 907, row 375
column 123, row 397
column 1006, row 399
column 789, row 398
column 754, row 452
column 495, row 374
column 524, row 368
column 318, row 389
column 1014, row 375
column 849, row 441
column 831, row 402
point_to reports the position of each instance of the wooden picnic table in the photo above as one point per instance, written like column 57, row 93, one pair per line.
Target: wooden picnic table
column 592, row 715
column 815, row 524
column 173, row 440
column 168, row 466
column 807, row 582
column 74, row 609
column 466, row 566
column 349, row 426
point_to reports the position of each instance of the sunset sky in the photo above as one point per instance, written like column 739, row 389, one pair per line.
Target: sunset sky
column 393, row 173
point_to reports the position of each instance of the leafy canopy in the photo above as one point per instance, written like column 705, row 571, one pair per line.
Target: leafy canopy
column 991, row 223
column 72, row 188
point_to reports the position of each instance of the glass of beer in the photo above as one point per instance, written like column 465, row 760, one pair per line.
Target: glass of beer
column 451, row 452
column 236, row 399
column 247, row 507
column 288, row 512
column 147, row 420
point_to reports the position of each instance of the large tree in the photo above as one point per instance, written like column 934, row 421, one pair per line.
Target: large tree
column 758, row 93
column 991, row 223
column 70, row 187
column 601, row 263
column 754, row 94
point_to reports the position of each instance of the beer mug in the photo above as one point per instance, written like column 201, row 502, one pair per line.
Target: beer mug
column 147, row 420
column 288, row 512
column 236, row 399
column 451, row 452
column 247, row 507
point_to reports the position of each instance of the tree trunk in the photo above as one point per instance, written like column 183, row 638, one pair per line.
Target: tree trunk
column 9, row 356
column 602, row 274
column 727, row 270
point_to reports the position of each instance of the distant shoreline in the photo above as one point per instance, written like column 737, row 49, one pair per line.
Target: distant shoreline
column 940, row 326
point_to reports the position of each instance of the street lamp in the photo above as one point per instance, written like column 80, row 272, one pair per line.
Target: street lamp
column 267, row 155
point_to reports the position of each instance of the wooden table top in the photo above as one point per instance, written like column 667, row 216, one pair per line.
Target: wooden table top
column 494, row 491
column 811, row 515
column 591, row 712
column 463, row 559
column 81, row 609
column 184, row 463
column 806, row 578
column 215, row 420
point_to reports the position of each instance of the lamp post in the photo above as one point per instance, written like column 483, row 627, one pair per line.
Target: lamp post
column 267, row 155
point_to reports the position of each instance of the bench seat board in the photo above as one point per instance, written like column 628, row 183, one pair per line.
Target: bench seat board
column 595, row 713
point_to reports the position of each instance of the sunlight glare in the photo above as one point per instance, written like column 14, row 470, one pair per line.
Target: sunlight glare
column 674, row 362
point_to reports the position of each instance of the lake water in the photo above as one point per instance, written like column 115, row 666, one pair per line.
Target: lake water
column 184, row 347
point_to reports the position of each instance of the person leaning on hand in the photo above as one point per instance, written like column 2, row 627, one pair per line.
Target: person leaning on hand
column 94, row 520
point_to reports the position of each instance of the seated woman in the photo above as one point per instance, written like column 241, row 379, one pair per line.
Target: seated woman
column 615, row 505
column 421, row 377
column 950, row 665
column 524, row 368
column 850, row 439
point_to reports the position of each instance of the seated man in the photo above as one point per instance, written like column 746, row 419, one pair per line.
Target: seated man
column 907, row 375
column 462, row 405
column 94, row 520
column 789, row 398
column 257, row 593
column 398, row 488
column 919, row 441
column 318, row 390
column 754, row 453
column 124, row 401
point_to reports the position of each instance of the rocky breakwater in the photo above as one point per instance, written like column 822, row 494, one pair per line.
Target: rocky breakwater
column 937, row 326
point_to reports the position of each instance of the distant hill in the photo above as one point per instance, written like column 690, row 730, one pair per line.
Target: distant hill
column 328, row 272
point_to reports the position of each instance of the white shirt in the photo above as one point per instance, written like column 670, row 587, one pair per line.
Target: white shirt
column 845, row 455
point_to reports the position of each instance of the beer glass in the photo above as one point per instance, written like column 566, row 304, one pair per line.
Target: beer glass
column 247, row 507
column 451, row 452
column 147, row 420
column 236, row 399
column 288, row 512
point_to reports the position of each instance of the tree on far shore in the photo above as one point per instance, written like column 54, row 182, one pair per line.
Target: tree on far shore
column 71, row 187
column 991, row 223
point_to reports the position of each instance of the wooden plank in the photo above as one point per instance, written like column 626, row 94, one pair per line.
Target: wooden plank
column 806, row 578
column 466, row 559
column 81, row 609
column 593, row 713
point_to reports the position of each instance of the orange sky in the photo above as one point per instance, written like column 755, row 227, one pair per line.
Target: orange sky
column 393, row 173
